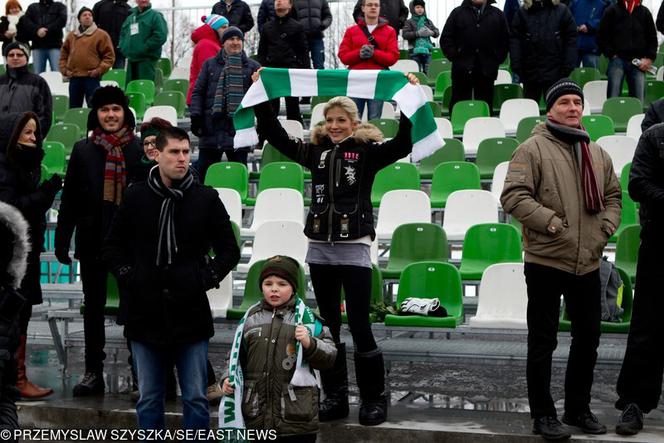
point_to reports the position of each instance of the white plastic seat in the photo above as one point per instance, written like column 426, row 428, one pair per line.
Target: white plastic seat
column 233, row 204
column 58, row 88
column 51, row 76
column 387, row 112
column 634, row 126
column 586, row 107
column 277, row 237
column 503, row 299
column 660, row 73
column 293, row 128
column 166, row 112
column 317, row 115
column 504, row 77
column 406, row 65
column 513, row 110
column 444, row 127
column 620, row 148
column 595, row 93
column 479, row 128
column 276, row 204
column 498, row 180
column 221, row 298
column 399, row 207
column 180, row 72
column 467, row 208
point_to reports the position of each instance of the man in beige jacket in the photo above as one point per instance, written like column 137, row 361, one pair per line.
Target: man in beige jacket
column 563, row 190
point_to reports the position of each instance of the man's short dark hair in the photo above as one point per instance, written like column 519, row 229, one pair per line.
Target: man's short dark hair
column 173, row 133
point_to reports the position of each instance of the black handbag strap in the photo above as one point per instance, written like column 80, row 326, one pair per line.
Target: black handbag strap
column 370, row 37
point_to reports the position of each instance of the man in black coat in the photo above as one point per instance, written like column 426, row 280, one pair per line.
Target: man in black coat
column 394, row 11
column 109, row 15
column 542, row 45
column 21, row 90
column 211, row 119
column 43, row 24
column 237, row 12
column 476, row 40
column 100, row 168
column 158, row 250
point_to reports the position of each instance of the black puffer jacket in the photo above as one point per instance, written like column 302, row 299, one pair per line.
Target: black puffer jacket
column 646, row 178
column 20, row 175
column 394, row 11
column 110, row 15
column 217, row 132
column 21, row 91
column 44, row 14
column 543, row 41
column 168, row 305
column 283, row 43
column 239, row 14
column 342, row 174
column 626, row 35
column 469, row 41
column 314, row 15
column 654, row 115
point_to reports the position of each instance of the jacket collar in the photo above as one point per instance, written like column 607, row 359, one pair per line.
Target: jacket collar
column 527, row 4
column 381, row 22
column 281, row 310
column 89, row 31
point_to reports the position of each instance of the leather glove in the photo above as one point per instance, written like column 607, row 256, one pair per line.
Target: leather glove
column 62, row 254
column 51, row 186
column 366, row 52
column 424, row 32
column 197, row 125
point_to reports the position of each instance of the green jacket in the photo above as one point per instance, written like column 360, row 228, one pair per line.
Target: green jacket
column 146, row 44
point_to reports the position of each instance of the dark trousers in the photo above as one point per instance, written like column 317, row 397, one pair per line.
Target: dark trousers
column 8, row 414
column 93, row 277
column 292, row 107
column 582, row 299
column 640, row 379
column 471, row 86
column 144, row 70
column 327, row 281
column 208, row 156
column 535, row 90
column 119, row 61
column 82, row 87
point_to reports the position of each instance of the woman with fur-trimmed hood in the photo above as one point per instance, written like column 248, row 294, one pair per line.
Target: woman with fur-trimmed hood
column 344, row 157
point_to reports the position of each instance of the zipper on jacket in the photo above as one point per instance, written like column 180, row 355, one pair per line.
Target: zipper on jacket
column 268, row 384
column 331, row 185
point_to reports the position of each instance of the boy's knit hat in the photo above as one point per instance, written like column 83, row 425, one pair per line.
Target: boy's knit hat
column 282, row 266
column 418, row 3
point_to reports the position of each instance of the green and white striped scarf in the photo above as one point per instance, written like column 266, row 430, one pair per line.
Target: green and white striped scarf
column 358, row 83
column 230, row 408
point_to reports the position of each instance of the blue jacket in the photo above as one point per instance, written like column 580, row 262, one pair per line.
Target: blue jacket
column 589, row 13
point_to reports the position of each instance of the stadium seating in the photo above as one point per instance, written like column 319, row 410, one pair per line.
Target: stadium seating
column 480, row 128
column 467, row 208
column 399, row 207
column 176, row 85
column 514, row 110
column 654, row 91
column 464, row 110
column 620, row 148
column 60, row 107
column 443, row 81
column 393, row 177
column 581, row 76
column 498, row 180
column 620, row 109
column 504, row 92
column 137, row 103
column 166, row 112
column 486, row 244
column 117, row 75
column 277, row 237
column 229, row 175
column 595, row 93
column 54, row 159
column 525, row 127
column 67, row 134
column 221, row 298
column 452, row 151
column 503, row 298
column 415, row 242
column 172, row 98
column 449, row 177
column 79, row 117
column 233, row 204
column 634, row 126
column 388, row 127
column 444, row 126
column 165, row 65
column 276, row 204
column 598, row 126
column 146, row 87
column 627, row 250
column 280, row 175
column 493, row 151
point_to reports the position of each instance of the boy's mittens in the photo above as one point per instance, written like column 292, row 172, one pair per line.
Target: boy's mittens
column 429, row 307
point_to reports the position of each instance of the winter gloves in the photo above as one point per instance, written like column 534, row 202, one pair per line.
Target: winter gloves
column 366, row 52
column 196, row 125
column 424, row 32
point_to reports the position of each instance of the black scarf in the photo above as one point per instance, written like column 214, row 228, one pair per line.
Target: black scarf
column 167, row 244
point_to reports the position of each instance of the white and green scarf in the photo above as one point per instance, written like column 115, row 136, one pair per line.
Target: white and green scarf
column 230, row 408
column 359, row 83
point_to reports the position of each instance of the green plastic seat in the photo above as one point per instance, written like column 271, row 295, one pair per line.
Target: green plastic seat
column 172, row 98
column 60, row 107
column 620, row 109
column 624, row 176
column 229, row 175
column 464, row 110
column 491, row 152
column 627, row 250
column 146, row 87
column 158, row 80
column 503, row 92
column 138, row 103
column 394, row 177
column 280, row 175
column 447, row 99
column 112, row 306
column 177, row 85
column 388, row 126
column 79, row 117
column 525, row 127
column 452, row 151
column 67, row 134
column 415, row 242
column 654, row 91
column 376, row 294
column 581, row 76
column 422, row 77
column 437, row 54
column 320, row 99
column 3, row 69
column 165, row 65
column 436, row 109
column 487, row 244
column 253, row 292
column 269, row 155
column 598, row 126
column 435, row 68
column 453, row 176
column 621, row 327
column 403, row 54
column 54, row 158
column 443, row 81
column 117, row 75
column 628, row 216
column 430, row 279
column 603, row 65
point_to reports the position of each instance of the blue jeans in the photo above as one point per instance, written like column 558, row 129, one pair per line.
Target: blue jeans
column 588, row 60
column 636, row 79
column 375, row 107
column 80, row 87
column 39, row 57
column 317, row 49
column 151, row 364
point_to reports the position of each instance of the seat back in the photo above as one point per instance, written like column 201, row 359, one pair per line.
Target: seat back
column 165, row 65
column 67, row 134
column 60, row 106
column 581, row 76
column 467, row 208
column 620, row 109
column 399, row 207
column 436, row 109
column 413, row 242
column 503, row 78
column 498, row 180
column 293, row 128
column 54, row 158
column 281, row 175
column 654, row 91
column 137, row 102
column 514, row 110
column 175, row 99
column 229, row 175
column 504, row 298
column 505, row 91
column 317, row 114
column 444, row 126
column 221, row 298
column 595, row 92
column 433, row 279
column 624, row 176
column 464, row 110
column 167, row 112
column 627, row 247
column 117, row 75
column 493, row 151
column 176, row 85
column 233, row 204
column 146, row 87
column 620, row 148
column 443, row 81
column 489, row 243
column 452, row 151
column 438, row 66
column 405, row 65
column 525, row 127
column 395, row 176
column 278, row 204
column 388, row 127
column 79, row 117
column 279, row 238
column 598, row 126
column 478, row 129
column 634, row 126
column 453, row 176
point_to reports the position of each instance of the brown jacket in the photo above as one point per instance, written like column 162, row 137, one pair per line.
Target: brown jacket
column 543, row 187
column 87, row 51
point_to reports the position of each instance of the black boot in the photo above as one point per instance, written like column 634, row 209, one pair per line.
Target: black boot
column 335, row 386
column 370, row 374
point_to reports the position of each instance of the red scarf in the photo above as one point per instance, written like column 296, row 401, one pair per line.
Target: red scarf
column 631, row 4
column 115, row 174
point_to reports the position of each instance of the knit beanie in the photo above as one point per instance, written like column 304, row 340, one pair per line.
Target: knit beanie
column 16, row 45
column 282, row 266
column 107, row 95
column 81, row 11
column 418, row 3
column 232, row 32
column 215, row 21
column 153, row 127
column 562, row 87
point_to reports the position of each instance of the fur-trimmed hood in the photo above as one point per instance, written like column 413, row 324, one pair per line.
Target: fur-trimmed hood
column 365, row 133
column 15, row 244
column 528, row 3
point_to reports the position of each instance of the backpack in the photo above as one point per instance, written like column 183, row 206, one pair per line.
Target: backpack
column 611, row 287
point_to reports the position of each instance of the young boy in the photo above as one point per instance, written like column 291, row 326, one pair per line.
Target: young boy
column 279, row 341
column 416, row 31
